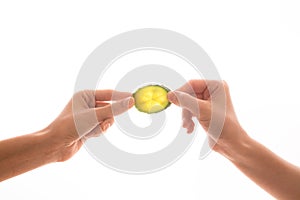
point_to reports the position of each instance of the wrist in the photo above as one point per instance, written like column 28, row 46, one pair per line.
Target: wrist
column 62, row 144
column 238, row 149
column 49, row 145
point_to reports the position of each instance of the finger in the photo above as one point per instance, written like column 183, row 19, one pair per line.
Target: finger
column 186, row 114
column 108, row 95
column 186, row 117
column 187, row 121
column 106, row 124
column 99, row 129
column 101, row 104
column 95, row 132
column 114, row 109
column 202, row 89
column 190, row 127
column 194, row 87
column 187, row 101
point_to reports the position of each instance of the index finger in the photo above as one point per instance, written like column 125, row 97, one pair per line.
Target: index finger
column 200, row 88
column 194, row 87
column 110, row 95
column 186, row 101
column 114, row 109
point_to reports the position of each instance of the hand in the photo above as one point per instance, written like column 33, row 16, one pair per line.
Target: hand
column 88, row 114
column 197, row 98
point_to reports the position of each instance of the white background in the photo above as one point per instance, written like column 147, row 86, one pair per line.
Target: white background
column 254, row 44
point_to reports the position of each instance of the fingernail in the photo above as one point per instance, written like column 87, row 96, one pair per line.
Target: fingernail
column 127, row 102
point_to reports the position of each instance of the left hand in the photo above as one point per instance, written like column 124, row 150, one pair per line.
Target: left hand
column 88, row 114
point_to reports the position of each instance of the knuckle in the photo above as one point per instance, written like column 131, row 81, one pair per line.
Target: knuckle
column 86, row 96
column 190, row 82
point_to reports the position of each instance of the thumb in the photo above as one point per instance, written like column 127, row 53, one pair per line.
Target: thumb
column 114, row 109
column 187, row 101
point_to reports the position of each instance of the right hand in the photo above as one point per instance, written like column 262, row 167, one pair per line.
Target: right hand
column 195, row 99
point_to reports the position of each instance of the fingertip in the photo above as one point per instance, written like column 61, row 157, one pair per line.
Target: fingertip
column 172, row 97
column 106, row 124
column 105, row 127
column 189, row 125
column 131, row 102
column 110, row 121
column 189, row 131
column 122, row 106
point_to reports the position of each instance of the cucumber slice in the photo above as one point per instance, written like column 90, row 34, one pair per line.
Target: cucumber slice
column 151, row 98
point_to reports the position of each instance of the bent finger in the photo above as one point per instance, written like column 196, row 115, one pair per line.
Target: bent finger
column 106, row 124
column 194, row 87
column 187, row 121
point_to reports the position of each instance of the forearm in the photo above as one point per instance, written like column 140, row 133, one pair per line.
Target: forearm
column 24, row 153
column 275, row 175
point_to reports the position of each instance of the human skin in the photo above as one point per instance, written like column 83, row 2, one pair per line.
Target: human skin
column 276, row 176
column 60, row 140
